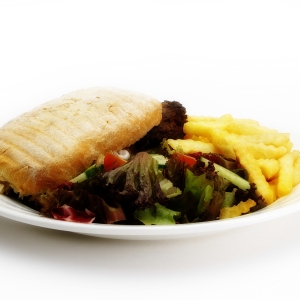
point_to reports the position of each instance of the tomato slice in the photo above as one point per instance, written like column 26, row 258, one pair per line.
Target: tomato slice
column 113, row 161
column 187, row 159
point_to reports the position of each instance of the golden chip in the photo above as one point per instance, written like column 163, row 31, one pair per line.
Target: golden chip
column 224, row 142
column 275, row 139
column 243, row 128
column 190, row 146
column 286, row 173
column 296, row 177
column 201, row 129
column 269, row 167
column 266, row 151
column 248, row 162
column 237, row 210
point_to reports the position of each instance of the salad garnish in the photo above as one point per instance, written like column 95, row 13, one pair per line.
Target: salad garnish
column 160, row 186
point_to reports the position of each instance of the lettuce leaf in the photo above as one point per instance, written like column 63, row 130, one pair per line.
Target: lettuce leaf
column 201, row 188
column 137, row 183
column 213, row 210
column 157, row 215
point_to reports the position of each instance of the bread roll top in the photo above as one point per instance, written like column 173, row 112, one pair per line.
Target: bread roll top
column 60, row 139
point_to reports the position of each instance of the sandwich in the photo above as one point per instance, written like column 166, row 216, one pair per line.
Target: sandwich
column 60, row 139
column 51, row 145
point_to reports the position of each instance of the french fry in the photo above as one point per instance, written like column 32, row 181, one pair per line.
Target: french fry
column 275, row 139
column 201, row 128
column 245, row 121
column 266, row 151
column 224, row 142
column 190, row 146
column 242, row 128
column 285, row 174
column 273, row 184
column 269, row 167
column 225, row 118
column 197, row 138
column 295, row 154
column 296, row 175
column 237, row 210
column 289, row 146
column 248, row 162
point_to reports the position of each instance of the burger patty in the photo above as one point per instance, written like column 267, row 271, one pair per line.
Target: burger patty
column 171, row 126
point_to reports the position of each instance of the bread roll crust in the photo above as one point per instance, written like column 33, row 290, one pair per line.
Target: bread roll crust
column 58, row 140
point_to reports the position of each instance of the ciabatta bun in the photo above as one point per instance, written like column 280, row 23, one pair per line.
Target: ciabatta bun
column 61, row 138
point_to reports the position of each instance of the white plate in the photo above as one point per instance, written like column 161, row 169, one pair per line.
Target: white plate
column 14, row 210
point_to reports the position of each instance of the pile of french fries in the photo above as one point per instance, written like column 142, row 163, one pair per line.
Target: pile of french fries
column 265, row 153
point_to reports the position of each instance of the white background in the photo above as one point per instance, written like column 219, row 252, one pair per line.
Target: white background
column 216, row 57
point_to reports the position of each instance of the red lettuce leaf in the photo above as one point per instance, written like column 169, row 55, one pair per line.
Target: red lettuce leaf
column 68, row 213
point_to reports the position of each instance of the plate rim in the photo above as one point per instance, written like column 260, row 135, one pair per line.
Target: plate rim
column 28, row 216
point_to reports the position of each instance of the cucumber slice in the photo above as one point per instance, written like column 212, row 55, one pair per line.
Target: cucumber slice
column 88, row 173
column 162, row 160
column 232, row 177
column 169, row 189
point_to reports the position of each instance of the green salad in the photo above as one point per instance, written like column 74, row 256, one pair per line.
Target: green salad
column 161, row 186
